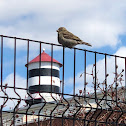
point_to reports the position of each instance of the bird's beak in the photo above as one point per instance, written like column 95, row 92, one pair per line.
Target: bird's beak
column 57, row 30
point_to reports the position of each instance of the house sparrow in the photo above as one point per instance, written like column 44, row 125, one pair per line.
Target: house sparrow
column 67, row 39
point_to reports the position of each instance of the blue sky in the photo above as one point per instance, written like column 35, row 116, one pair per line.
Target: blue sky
column 101, row 23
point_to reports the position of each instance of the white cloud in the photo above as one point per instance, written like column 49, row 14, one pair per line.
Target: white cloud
column 98, row 22
column 101, row 33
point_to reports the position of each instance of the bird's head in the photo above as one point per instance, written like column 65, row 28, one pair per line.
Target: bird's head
column 61, row 29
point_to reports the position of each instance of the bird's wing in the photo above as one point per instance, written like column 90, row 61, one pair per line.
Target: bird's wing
column 69, row 35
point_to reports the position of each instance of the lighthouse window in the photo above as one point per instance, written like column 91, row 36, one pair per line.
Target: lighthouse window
column 43, row 72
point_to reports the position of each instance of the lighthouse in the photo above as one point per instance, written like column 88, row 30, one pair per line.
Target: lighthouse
column 40, row 83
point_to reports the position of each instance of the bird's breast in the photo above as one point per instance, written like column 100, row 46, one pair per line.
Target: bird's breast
column 60, row 38
column 66, row 42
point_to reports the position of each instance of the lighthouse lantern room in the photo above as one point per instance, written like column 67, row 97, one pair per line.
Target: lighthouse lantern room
column 39, row 79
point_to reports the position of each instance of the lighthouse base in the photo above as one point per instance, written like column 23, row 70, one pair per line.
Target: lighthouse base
column 42, row 97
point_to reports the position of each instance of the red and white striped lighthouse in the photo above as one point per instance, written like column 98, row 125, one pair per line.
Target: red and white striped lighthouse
column 39, row 79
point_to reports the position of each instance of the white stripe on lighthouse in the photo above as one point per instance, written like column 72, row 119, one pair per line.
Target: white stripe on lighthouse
column 44, row 80
column 43, row 65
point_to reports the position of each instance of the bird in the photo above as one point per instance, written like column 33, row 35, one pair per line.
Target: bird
column 68, row 39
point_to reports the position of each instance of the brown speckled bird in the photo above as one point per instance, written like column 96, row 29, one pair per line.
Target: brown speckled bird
column 67, row 39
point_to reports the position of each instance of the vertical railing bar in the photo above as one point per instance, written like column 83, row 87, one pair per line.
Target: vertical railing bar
column 95, row 85
column 63, row 98
column 63, row 74
column 17, row 105
column 95, row 91
column 116, row 77
column 85, row 82
column 116, row 84
column 42, row 98
column 51, row 78
column 74, row 71
column 106, row 90
column 39, row 65
column 27, row 76
column 51, row 65
column 14, row 62
column 14, row 75
column 85, row 92
column 106, row 78
column 40, row 69
column 51, row 86
column 28, row 100
column 98, row 102
column 125, row 81
column 1, row 76
column 95, row 80
column 106, row 82
column 39, row 80
column 74, row 81
column 85, row 75
column 63, row 82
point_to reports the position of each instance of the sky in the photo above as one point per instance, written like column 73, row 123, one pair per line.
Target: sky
column 99, row 22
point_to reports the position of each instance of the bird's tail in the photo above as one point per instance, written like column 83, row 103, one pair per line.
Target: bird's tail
column 85, row 43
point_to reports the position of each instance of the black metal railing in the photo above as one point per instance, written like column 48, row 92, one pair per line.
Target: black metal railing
column 105, row 105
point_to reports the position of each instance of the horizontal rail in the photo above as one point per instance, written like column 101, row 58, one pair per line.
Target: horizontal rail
column 60, row 45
